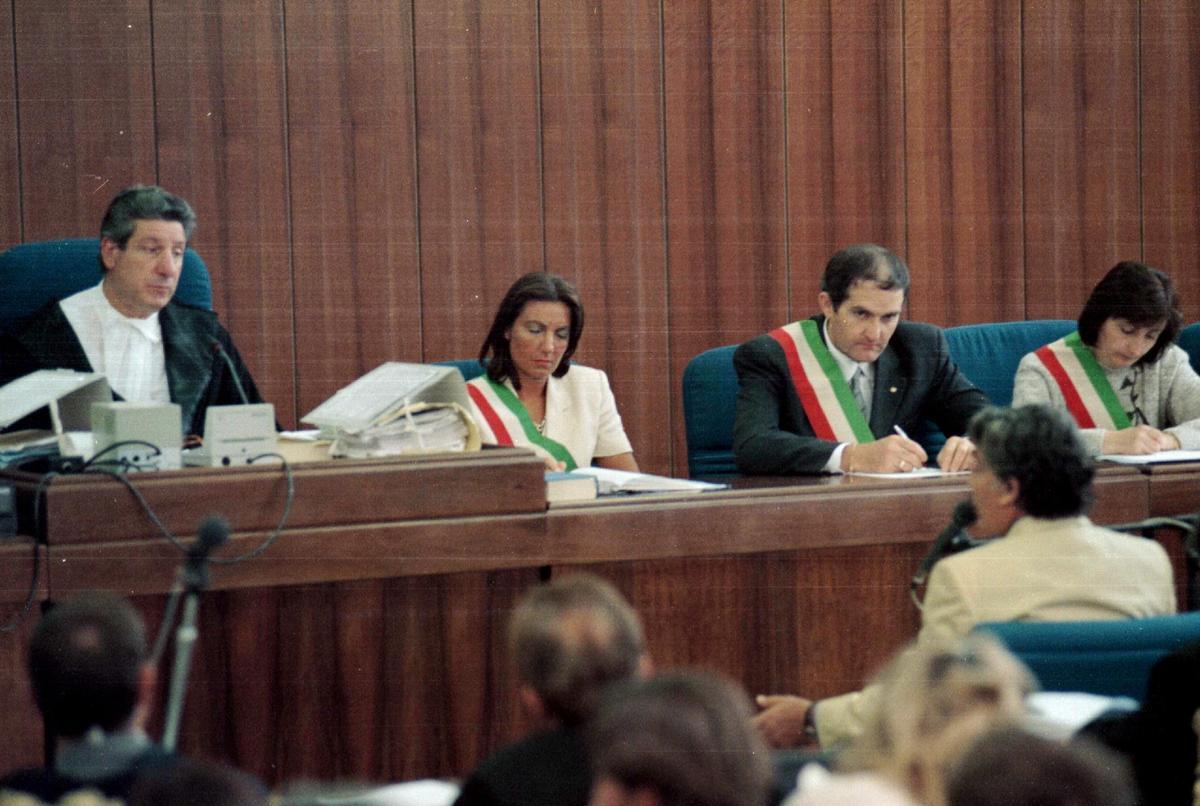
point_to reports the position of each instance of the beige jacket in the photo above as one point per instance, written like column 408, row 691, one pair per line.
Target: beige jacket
column 1066, row 569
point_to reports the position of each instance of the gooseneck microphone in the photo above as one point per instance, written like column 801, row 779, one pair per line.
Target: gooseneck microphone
column 220, row 350
column 951, row 540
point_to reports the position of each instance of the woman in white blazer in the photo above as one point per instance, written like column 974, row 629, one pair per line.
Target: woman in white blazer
column 532, row 395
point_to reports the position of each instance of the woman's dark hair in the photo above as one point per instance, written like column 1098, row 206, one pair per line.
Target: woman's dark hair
column 537, row 286
column 1138, row 294
column 1040, row 448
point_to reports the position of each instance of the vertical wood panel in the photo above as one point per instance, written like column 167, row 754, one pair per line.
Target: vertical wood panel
column 10, row 170
column 353, row 185
column 1171, row 144
column 86, row 107
column 845, row 74
column 1082, row 205
column 726, row 212
column 963, row 166
column 602, row 101
column 479, row 164
column 220, row 113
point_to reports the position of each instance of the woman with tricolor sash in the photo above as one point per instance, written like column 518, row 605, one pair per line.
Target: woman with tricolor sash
column 532, row 395
column 1128, row 386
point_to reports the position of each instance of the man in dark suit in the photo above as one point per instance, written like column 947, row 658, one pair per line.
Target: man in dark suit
column 93, row 684
column 570, row 638
column 151, row 349
column 841, row 391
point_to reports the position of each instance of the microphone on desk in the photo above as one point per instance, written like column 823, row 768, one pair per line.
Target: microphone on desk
column 220, row 350
column 950, row 540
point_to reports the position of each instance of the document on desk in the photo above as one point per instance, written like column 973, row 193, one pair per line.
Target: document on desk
column 375, row 398
column 1150, row 458
column 915, row 473
column 612, row 482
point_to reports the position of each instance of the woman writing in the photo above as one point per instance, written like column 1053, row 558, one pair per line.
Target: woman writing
column 532, row 395
column 1128, row 386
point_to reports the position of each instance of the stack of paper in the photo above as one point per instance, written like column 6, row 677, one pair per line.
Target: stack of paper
column 420, row 428
column 612, row 482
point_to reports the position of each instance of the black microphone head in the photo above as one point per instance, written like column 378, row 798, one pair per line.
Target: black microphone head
column 213, row 532
column 964, row 513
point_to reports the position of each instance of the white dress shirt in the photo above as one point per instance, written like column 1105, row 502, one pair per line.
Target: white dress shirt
column 129, row 352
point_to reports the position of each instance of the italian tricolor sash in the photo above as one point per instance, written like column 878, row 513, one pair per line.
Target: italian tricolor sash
column 823, row 392
column 505, row 415
column 1089, row 396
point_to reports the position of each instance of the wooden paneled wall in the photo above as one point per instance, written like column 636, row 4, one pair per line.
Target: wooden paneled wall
column 370, row 175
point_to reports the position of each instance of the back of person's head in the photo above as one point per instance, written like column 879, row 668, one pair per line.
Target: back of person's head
column 144, row 203
column 1011, row 767
column 937, row 696
column 1139, row 294
column 685, row 737
column 196, row 783
column 570, row 638
column 1039, row 448
column 85, row 661
column 866, row 262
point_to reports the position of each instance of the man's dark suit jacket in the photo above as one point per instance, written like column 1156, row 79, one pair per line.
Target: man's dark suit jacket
column 915, row 380
column 548, row 767
column 197, row 376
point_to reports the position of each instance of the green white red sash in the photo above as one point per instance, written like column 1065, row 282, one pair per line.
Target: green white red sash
column 1089, row 396
column 826, row 397
column 504, row 415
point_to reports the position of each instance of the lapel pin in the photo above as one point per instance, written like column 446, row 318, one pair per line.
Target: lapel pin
column 892, row 390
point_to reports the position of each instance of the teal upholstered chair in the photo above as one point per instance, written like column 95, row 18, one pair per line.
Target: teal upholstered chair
column 1189, row 340
column 988, row 354
column 33, row 274
column 1099, row 657
column 710, row 388
column 469, row 367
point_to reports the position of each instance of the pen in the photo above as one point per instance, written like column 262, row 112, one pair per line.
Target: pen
column 900, row 431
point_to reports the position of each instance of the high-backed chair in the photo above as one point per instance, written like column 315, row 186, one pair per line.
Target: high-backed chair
column 988, row 354
column 1189, row 340
column 1098, row 657
column 33, row 274
column 469, row 367
column 710, row 388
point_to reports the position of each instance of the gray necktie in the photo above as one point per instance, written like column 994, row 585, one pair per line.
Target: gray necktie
column 858, row 385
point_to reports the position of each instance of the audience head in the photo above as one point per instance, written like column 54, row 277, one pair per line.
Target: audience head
column 1031, row 462
column 87, row 663
column 570, row 638
column 1010, row 767
column 936, row 698
column 1131, row 297
column 863, row 263
column 679, row 739
column 196, row 783
column 144, row 203
column 535, row 287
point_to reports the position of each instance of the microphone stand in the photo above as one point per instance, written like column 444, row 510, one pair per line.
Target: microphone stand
column 194, row 579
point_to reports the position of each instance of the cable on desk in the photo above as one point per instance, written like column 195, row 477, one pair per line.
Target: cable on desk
column 287, row 511
column 31, row 595
column 38, row 537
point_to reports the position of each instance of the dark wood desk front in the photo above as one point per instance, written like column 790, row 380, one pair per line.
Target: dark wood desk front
column 368, row 642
